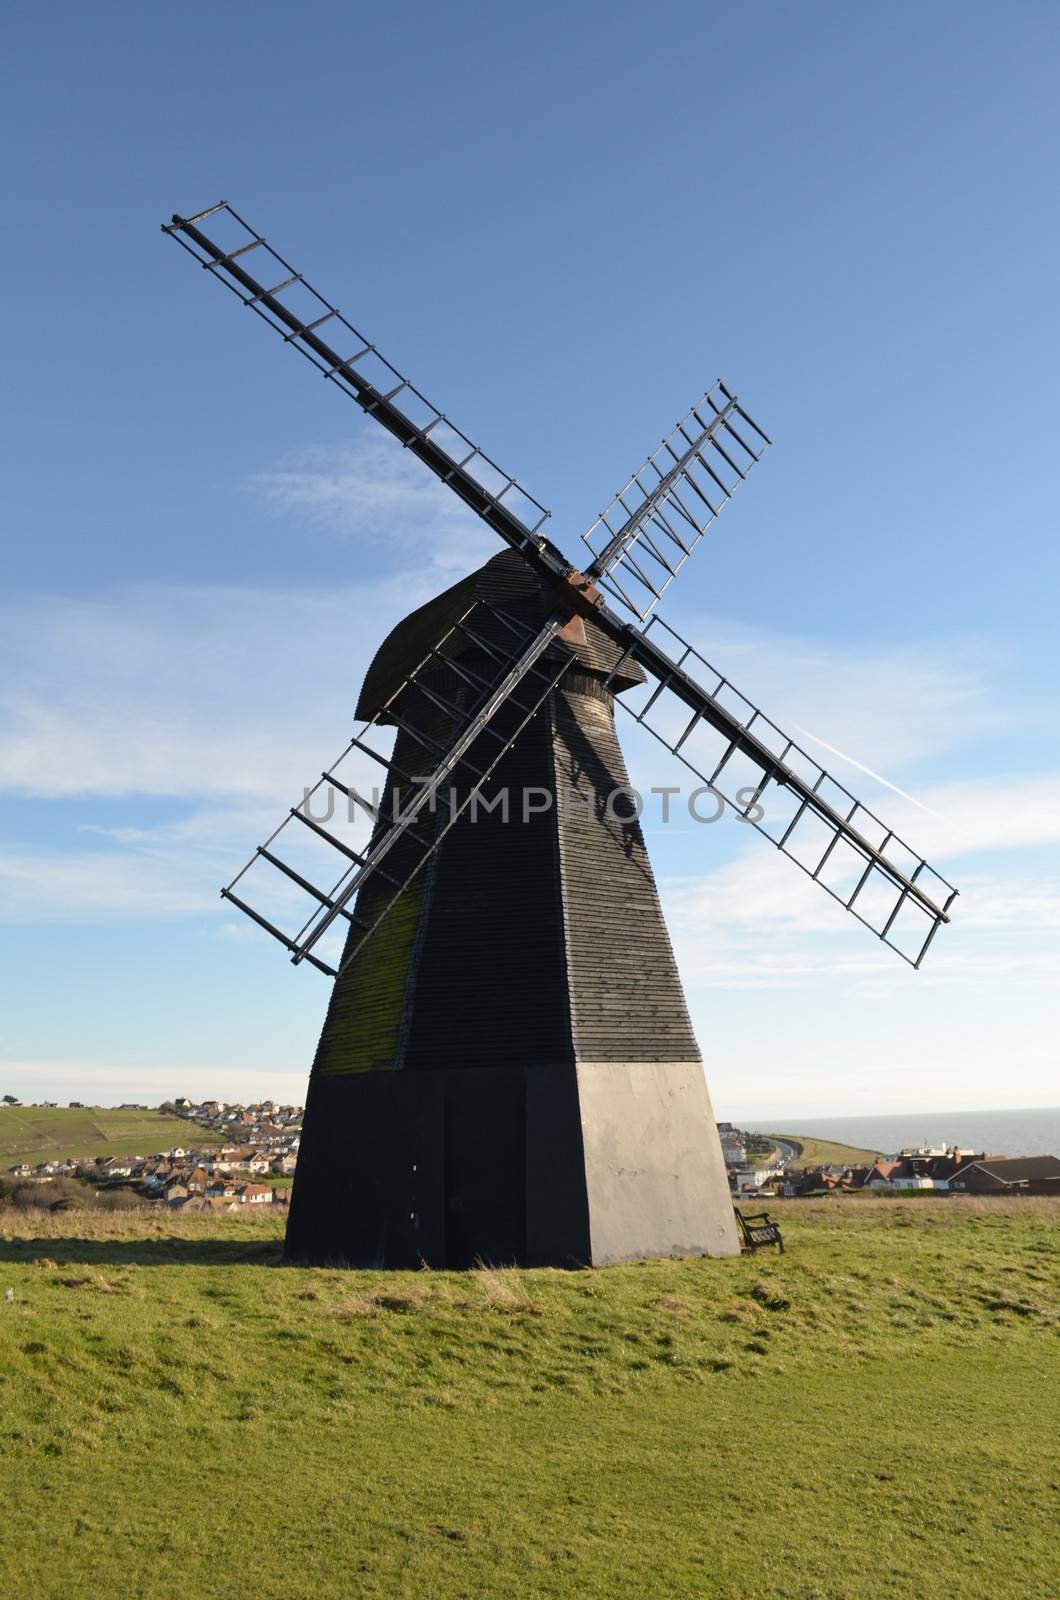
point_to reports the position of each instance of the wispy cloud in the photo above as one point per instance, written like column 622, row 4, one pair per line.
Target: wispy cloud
column 374, row 492
column 757, row 922
column 72, row 886
column 101, row 1081
column 186, row 691
column 891, row 706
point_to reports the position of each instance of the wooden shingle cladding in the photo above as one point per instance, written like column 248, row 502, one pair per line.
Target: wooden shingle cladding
column 627, row 1002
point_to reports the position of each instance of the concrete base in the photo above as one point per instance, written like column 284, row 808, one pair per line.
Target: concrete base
column 654, row 1173
column 553, row 1166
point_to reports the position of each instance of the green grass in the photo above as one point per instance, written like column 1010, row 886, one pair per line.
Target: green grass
column 826, row 1153
column 36, row 1133
column 882, row 1403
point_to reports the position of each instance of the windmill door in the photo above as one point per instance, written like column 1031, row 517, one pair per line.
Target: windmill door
column 485, row 1167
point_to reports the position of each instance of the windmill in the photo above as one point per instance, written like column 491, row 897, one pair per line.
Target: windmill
column 507, row 1070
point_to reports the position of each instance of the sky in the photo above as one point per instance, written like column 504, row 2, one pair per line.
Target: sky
column 564, row 222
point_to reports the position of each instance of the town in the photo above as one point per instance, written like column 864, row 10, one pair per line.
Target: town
column 248, row 1160
column 764, row 1166
column 235, row 1155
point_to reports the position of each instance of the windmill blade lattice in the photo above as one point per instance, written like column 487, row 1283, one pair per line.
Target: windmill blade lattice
column 244, row 262
column 647, row 533
column 761, row 774
column 446, row 707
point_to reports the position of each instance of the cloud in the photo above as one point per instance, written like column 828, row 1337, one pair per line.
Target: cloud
column 375, row 492
column 974, row 814
column 891, row 706
column 757, row 922
column 72, row 886
column 182, row 691
column 106, row 1082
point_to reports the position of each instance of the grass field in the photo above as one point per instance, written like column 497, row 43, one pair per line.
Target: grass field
column 826, row 1153
column 181, row 1412
column 36, row 1133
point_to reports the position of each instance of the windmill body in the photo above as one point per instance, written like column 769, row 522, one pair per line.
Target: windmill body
column 507, row 1071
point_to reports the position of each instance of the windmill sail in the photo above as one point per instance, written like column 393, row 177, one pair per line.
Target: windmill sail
column 446, row 708
column 268, row 285
column 645, row 536
column 761, row 774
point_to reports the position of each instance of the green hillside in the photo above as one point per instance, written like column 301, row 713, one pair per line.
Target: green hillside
column 825, row 1152
column 38, row 1133
column 884, row 1399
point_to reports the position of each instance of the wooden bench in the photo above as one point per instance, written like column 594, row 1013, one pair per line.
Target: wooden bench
column 758, row 1231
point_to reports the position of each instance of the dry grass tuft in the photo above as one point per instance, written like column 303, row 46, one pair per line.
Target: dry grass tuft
column 504, row 1289
column 735, row 1314
column 671, row 1302
column 354, row 1307
column 402, row 1297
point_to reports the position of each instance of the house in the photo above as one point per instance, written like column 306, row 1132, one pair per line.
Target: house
column 218, row 1189
column 174, row 1194
column 879, row 1174
column 823, row 1180
column 254, row 1194
column 117, row 1167
column 1008, row 1175
column 747, row 1182
column 929, row 1170
column 910, row 1175
column 733, row 1149
column 285, row 1164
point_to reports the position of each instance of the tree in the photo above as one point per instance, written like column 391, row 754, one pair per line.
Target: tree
column 9, row 1100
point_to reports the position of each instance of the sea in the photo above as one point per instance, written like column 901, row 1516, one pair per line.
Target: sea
column 1034, row 1132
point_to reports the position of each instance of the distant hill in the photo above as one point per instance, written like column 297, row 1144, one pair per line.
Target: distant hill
column 45, row 1133
column 825, row 1152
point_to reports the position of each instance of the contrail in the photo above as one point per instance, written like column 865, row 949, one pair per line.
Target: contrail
column 878, row 776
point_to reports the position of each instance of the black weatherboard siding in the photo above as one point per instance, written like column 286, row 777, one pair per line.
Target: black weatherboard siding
column 444, row 1120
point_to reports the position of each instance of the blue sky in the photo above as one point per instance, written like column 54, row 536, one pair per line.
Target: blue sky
column 564, row 222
